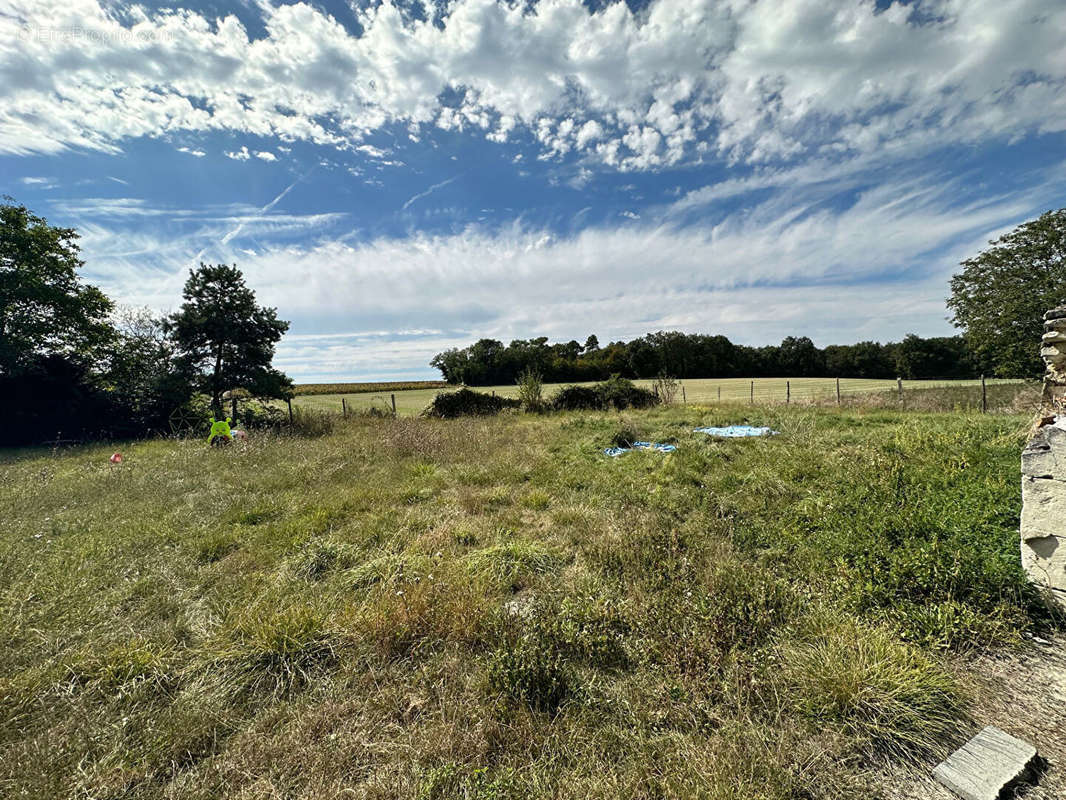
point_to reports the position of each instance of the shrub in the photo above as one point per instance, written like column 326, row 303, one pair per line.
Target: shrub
column 577, row 398
column 620, row 393
column 530, row 391
column 666, row 389
column 253, row 415
column 616, row 392
column 465, row 402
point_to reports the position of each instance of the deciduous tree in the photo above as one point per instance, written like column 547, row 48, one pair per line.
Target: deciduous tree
column 1001, row 294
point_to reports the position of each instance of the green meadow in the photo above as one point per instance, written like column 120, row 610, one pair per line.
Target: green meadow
column 491, row 608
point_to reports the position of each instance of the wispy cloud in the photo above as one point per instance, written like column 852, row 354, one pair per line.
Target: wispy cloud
column 427, row 192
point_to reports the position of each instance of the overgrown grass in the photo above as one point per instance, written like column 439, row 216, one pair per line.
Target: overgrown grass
column 489, row 607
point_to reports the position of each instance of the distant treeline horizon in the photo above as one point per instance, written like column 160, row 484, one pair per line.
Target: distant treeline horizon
column 489, row 362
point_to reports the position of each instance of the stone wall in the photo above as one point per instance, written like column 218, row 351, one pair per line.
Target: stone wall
column 1043, row 528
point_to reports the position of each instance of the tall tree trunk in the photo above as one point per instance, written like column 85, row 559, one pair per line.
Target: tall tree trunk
column 216, row 387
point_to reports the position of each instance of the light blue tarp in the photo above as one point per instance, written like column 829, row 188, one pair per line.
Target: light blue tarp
column 662, row 448
column 737, row 431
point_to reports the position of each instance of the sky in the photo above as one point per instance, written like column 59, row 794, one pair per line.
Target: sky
column 398, row 177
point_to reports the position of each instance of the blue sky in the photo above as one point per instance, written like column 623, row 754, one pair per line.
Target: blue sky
column 402, row 177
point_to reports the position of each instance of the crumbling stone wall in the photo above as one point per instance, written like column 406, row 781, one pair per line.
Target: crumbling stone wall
column 1043, row 528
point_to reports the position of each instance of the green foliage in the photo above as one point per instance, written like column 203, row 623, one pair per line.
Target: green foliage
column 465, row 402
column 1000, row 296
column 225, row 338
column 531, row 391
column 142, row 377
column 693, row 355
column 45, row 309
column 577, row 398
column 531, row 670
column 614, row 393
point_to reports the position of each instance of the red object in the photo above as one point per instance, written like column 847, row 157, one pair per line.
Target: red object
column 116, row 458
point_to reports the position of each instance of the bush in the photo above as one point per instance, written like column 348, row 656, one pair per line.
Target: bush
column 666, row 389
column 254, row 415
column 530, row 391
column 577, row 398
column 617, row 393
column 620, row 393
column 466, row 403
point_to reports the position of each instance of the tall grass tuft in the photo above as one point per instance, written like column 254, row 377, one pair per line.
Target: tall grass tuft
column 886, row 693
column 264, row 652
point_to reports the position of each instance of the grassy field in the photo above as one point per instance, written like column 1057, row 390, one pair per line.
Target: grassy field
column 413, row 608
column 705, row 390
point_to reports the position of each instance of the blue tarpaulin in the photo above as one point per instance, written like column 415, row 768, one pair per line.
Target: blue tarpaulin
column 662, row 448
column 737, row 431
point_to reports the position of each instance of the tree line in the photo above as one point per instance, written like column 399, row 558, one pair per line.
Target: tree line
column 693, row 355
column 73, row 366
column 997, row 299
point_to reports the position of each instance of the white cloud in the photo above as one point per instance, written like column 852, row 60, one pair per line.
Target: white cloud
column 760, row 82
column 239, row 155
column 800, row 261
column 266, row 155
column 191, row 152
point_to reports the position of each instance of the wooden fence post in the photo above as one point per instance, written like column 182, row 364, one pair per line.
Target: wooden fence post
column 344, row 409
column 719, row 394
column 838, row 391
column 788, row 392
column 288, row 402
column 753, row 392
column 684, row 399
column 899, row 388
column 984, row 396
column 394, row 405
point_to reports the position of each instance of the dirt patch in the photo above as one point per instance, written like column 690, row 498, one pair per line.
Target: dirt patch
column 1024, row 694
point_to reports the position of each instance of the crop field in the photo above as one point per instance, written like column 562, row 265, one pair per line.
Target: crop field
column 493, row 608
column 304, row 389
column 704, row 390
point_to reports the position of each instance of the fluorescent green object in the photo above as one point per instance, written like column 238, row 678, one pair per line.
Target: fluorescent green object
column 220, row 428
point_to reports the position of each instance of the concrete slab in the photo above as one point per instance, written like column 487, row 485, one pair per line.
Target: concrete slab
column 985, row 765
